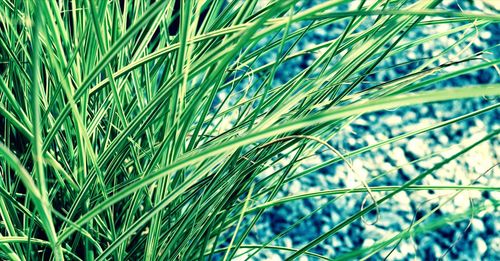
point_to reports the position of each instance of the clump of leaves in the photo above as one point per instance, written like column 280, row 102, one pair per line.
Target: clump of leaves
column 153, row 129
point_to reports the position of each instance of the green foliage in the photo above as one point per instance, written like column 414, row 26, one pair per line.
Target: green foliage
column 117, row 143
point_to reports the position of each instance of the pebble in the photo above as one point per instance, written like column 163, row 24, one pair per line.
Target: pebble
column 393, row 120
column 443, row 139
column 295, row 187
column 495, row 245
column 429, row 163
column 481, row 246
column 274, row 257
column 477, row 225
column 398, row 155
column 417, row 147
column 403, row 201
column 368, row 242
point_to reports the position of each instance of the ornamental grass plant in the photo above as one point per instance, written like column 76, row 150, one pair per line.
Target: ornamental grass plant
column 164, row 130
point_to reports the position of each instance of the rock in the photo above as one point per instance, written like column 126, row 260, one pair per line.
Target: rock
column 294, row 187
column 477, row 225
column 273, row 257
column 429, row 163
column 368, row 242
column 443, row 139
column 418, row 147
column 480, row 246
column 393, row 120
column 303, row 258
column 398, row 155
column 370, row 139
column 495, row 244
column 403, row 201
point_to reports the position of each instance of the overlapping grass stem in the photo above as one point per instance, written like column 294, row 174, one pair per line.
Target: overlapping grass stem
column 159, row 129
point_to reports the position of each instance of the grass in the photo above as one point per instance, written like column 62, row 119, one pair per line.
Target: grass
column 145, row 129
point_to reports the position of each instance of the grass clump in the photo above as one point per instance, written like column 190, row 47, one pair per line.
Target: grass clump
column 155, row 129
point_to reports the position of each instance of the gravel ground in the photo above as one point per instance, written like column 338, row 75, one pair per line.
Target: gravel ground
column 471, row 239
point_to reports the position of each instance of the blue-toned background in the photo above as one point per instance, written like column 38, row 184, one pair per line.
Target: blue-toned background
column 471, row 239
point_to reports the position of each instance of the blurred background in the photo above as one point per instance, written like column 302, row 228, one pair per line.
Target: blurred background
column 463, row 238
